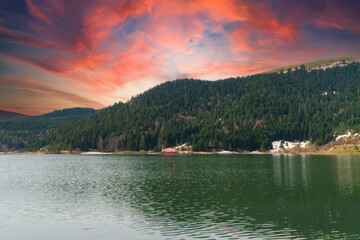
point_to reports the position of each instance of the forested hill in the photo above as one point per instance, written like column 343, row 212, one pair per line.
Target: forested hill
column 20, row 132
column 244, row 113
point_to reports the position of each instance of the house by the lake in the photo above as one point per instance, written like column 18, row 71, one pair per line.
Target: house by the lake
column 169, row 150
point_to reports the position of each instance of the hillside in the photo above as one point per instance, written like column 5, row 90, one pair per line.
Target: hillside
column 323, row 63
column 244, row 113
column 18, row 133
column 5, row 115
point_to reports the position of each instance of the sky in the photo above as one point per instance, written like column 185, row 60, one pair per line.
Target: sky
column 57, row 54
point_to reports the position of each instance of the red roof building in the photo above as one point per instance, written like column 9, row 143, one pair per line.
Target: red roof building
column 169, row 150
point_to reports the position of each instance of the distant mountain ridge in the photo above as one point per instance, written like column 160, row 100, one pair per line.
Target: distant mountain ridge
column 20, row 132
column 77, row 111
column 6, row 115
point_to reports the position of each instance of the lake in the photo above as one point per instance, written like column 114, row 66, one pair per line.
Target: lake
column 179, row 197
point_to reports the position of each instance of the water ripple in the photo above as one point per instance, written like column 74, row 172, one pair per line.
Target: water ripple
column 179, row 197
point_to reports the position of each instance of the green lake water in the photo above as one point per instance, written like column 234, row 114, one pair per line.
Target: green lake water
column 179, row 197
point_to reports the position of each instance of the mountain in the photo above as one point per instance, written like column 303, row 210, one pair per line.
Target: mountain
column 20, row 132
column 243, row 113
column 5, row 115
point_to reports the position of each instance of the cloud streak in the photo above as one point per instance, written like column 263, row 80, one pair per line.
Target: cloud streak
column 40, row 91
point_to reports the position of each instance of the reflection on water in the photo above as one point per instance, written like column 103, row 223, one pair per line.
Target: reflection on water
column 177, row 197
column 291, row 170
column 348, row 175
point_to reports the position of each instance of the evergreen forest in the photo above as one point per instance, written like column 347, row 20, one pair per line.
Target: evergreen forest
column 19, row 133
column 237, row 114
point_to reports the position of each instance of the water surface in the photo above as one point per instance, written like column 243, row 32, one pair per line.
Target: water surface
column 179, row 197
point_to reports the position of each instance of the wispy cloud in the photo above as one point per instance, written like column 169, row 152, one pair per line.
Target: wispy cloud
column 40, row 92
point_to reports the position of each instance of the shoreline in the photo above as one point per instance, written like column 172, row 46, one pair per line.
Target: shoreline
column 346, row 147
column 339, row 153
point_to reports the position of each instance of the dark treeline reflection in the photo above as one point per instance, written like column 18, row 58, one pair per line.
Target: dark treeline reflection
column 240, row 195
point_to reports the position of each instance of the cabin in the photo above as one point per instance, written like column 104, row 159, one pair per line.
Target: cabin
column 169, row 150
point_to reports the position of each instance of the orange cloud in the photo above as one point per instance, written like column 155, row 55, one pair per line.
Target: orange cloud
column 97, row 24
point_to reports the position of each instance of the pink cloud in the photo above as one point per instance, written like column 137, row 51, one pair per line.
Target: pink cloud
column 34, row 10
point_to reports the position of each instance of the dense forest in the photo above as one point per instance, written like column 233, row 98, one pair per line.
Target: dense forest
column 243, row 113
column 21, row 132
